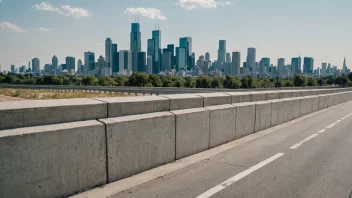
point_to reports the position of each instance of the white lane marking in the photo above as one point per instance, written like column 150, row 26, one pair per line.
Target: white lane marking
column 239, row 176
column 338, row 121
column 331, row 125
column 322, row 131
column 303, row 141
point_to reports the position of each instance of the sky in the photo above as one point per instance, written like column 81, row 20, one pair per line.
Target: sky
column 321, row 29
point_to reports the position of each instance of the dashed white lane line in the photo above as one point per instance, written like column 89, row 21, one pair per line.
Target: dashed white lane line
column 331, row 125
column 338, row 121
column 303, row 141
column 322, row 131
column 239, row 176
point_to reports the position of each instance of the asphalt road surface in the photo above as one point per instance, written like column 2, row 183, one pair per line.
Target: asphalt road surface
column 311, row 158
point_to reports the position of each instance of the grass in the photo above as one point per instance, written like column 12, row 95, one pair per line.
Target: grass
column 49, row 95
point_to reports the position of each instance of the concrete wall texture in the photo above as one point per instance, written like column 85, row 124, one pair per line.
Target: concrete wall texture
column 62, row 147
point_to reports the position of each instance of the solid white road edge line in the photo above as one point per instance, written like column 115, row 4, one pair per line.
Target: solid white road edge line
column 239, row 176
column 303, row 141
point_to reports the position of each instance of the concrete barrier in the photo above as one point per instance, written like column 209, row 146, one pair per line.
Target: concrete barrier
column 277, row 112
column 245, row 119
column 43, row 112
column 239, row 97
column 192, row 131
column 297, row 93
column 138, row 143
column 286, row 94
column 212, row 99
column 289, row 109
column 124, row 106
column 52, row 160
column 323, row 102
column 315, row 105
column 304, row 93
column 297, row 107
column 257, row 96
column 222, row 124
column 272, row 95
column 185, row 101
column 262, row 115
column 306, row 106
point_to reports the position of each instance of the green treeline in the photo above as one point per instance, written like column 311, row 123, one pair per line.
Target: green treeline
column 153, row 80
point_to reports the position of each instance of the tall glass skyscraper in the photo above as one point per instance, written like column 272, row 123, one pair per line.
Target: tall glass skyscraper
column 251, row 57
column 180, row 58
column 35, row 66
column 236, row 63
column 266, row 64
column 108, row 52
column 296, row 64
column 70, row 63
column 156, row 36
column 54, row 63
column 186, row 43
column 308, row 65
column 89, row 61
column 221, row 55
column 135, row 45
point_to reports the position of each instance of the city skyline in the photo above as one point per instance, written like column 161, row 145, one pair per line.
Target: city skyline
column 319, row 34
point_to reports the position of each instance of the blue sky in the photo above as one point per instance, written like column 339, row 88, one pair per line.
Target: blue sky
column 277, row 28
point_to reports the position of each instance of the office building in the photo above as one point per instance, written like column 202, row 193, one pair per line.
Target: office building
column 141, row 62
column 181, row 60
column 323, row 70
column 89, row 61
column 221, row 55
column 166, row 61
column 115, row 63
column 236, row 63
column 149, row 65
column 266, row 64
column 35, row 66
column 281, row 66
column 186, row 43
column 207, row 56
column 80, row 67
column 308, row 64
column 70, row 63
column 171, row 48
column 125, row 61
column 108, row 52
column 115, row 48
column 251, row 58
column 156, row 36
column 344, row 67
column 13, row 69
column 54, row 63
column 206, row 67
column 262, row 69
column 47, row 68
column 135, row 44
column 296, row 64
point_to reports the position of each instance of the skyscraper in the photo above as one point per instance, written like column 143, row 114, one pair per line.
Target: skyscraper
column 180, row 58
column 135, row 44
column 281, row 65
column 251, row 58
column 70, row 63
column 125, row 61
column 149, row 64
column 266, row 64
column 166, row 62
column 171, row 49
column 54, row 63
column 13, row 69
column 108, row 52
column 308, row 65
column 236, row 63
column 344, row 67
column 115, row 63
column 141, row 62
column 221, row 55
column 207, row 56
column 323, row 70
column 80, row 65
column 36, row 66
column 114, row 48
column 186, row 43
column 89, row 61
column 296, row 64
column 262, row 69
column 156, row 36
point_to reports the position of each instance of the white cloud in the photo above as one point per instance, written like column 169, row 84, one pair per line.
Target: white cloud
column 192, row 4
column 151, row 13
column 65, row 10
column 44, row 6
column 43, row 29
column 4, row 25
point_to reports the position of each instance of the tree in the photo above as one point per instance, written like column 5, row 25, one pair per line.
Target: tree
column 311, row 82
column 179, row 82
column 215, row 83
column 299, row 81
column 190, row 82
column 231, row 82
column 342, row 80
column 155, row 80
column 121, row 80
column 248, row 82
column 349, row 76
column 321, row 82
column 90, row 80
column 138, row 79
column 203, row 82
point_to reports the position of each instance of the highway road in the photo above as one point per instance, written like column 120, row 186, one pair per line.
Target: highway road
column 309, row 157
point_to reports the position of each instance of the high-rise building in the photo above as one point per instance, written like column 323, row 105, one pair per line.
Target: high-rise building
column 13, row 69
column 323, row 70
column 236, row 63
column 89, row 61
column 108, row 52
column 251, row 58
column 207, row 56
column 308, row 65
column 266, row 64
column 70, row 63
column 115, row 63
column 221, row 55
column 344, row 67
column 186, row 42
column 154, row 50
column 141, row 62
column 171, row 48
column 102, row 66
column 181, row 58
column 125, row 61
column 47, row 68
column 35, row 66
column 115, row 48
column 79, row 66
column 296, row 64
column 149, row 65
column 166, row 61
column 54, row 63
column 206, row 67
column 281, row 65
column 135, row 44
column 262, row 69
